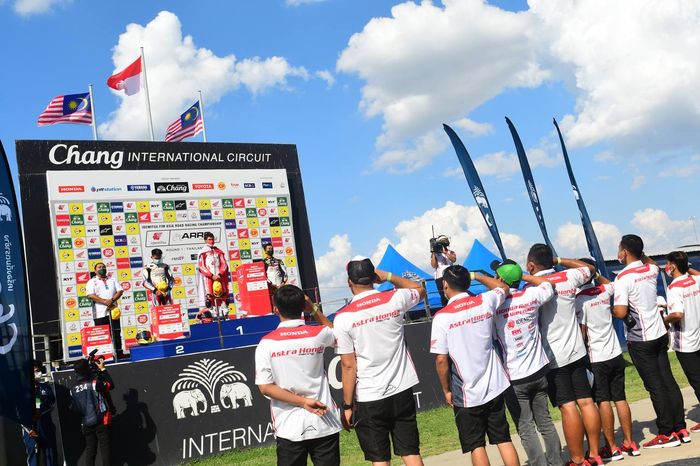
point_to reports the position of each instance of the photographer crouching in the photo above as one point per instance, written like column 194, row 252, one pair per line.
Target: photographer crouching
column 91, row 400
column 441, row 257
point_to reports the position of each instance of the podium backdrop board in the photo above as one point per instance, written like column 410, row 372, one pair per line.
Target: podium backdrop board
column 85, row 202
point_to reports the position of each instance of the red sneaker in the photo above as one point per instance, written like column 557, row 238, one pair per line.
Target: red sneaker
column 663, row 441
column 695, row 428
column 609, row 454
column 595, row 460
column 683, row 435
column 631, row 449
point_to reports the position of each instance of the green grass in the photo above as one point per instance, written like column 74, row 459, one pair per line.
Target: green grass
column 437, row 429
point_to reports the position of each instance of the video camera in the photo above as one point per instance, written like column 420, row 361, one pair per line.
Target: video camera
column 92, row 361
column 438, row 244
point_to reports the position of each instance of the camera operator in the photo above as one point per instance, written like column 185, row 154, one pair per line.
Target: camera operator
column 40, row 436
column 91, row 401
column 441, row 257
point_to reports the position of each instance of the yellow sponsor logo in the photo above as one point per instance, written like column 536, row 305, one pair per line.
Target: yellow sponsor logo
column 261, row 201
column 169, row 216
column 244, row 243
column 253, row 222
column 104, row 219
column 73, row 339
column 75, row 208
column 283, row 211
column 71, row 315
column 178, row 292
column 204, row 204
column 290, row 261
column 132, row 228
column 77, row 231
column 141, row 308
column 65, row 255
column 143, row 206
column 188, row 269
column 276, row 231
column 229, row 213
column 107, row 241
column 124, row 274
column 121, row 251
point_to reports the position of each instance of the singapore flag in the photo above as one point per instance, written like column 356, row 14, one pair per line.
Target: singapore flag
column 127, row 80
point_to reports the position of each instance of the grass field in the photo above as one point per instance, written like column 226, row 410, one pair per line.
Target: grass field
column 437, row 430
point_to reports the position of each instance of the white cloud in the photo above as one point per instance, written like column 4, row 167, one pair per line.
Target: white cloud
column 638, row 181
column 330, row 268
column 177, row 69
column 660, row 233
column 571, row 242
column 326, row 76
column 302, row 2
column 631, row 65
column 419, row 153
column 504, row 164
column 35, row 7
column 415, row 84
column 474, row 128
column 634, row 65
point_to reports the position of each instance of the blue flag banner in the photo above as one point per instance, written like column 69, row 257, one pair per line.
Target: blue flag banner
column 476, row 187
column 530, row 183
column 591, row 239
column 16, row 398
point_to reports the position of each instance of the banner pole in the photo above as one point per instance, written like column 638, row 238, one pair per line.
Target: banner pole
column 148, row 99
column 92, row 107
column 201, row 112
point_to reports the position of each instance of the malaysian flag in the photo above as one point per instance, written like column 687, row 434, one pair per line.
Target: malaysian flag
column 189, row 124
column 69, row 108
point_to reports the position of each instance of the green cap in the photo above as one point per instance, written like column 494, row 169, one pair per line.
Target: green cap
column 510, row 272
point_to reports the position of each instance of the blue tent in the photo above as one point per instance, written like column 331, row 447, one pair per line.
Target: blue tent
column 479, row 258
column 398, row 265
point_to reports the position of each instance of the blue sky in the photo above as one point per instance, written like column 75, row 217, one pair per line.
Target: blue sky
column 362, row 87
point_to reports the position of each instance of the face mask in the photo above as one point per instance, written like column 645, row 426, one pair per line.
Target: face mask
column 620, row 258
column 668, row 270
column 37, row 375
column 101, row 272
column 158, row 261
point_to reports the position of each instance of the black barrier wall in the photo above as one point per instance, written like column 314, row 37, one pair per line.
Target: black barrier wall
column 174, row 410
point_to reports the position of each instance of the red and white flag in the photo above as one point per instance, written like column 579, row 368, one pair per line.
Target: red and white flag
column 127, row 80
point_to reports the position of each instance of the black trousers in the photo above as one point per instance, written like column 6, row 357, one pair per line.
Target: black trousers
column 95, row 435
column 690, row 362
column 443, row 298
column 115, row 328
column 324, row 451
column 651, row 360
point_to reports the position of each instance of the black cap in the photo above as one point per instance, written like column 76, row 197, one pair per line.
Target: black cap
column 361, row 272
column 156, row 252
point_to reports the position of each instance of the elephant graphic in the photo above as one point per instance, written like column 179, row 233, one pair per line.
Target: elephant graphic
column 5, row 213
column 235, row 391
column 189, row 399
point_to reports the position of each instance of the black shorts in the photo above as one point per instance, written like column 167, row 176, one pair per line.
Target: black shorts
column 395, row 416
column 475, row 422
column 324, row 451
column 609, row 380
column 569, row 383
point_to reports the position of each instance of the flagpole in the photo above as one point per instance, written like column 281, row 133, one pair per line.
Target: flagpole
column 148, row 100
column 92, row 106
column 201, row 112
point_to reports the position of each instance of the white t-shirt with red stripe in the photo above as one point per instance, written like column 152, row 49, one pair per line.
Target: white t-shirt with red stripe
column 635, row 286
column 371, row 326
column 518, row 331
column 562, row 337
column 684, row 297
column 464, row 330
column 593, row 311
column 291, row 357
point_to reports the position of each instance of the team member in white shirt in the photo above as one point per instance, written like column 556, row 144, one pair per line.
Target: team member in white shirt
column 526, row 363
column 440, row 259
column 377, row 370
column 594, row 313
column 569, row 388
column 289, row 370
column 470, row 372
column 647, row 340
column 684, row 317
column 105, row 291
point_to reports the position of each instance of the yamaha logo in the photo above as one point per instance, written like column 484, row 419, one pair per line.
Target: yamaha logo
column 166, row 188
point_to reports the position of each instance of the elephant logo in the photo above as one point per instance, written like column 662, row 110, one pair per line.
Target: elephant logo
column 5, row 210
column 206, row 381
column 189, row 399
column 235, row 392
